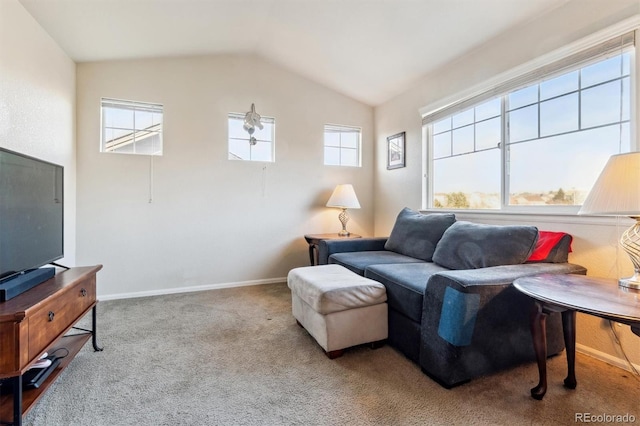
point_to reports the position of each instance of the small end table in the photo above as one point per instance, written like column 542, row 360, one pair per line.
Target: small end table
column 567, row 294
column 314, row 239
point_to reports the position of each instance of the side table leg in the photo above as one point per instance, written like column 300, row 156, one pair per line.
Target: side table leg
column 569, row 330
column 94, row 339
column 538, row 322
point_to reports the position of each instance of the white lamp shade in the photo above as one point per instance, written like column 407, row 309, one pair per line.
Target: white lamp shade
column 344, row 197
column 617, row 190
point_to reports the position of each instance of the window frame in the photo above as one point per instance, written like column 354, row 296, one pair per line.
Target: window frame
column 341, row 129
column 134, row 106
column 515, row 80
column 264, row 119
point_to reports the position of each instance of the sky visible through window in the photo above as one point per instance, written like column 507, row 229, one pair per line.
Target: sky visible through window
column 558, row 135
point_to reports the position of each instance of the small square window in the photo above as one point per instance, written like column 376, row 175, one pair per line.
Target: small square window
column 130, row 127
column 256, row 147
column 342, row 145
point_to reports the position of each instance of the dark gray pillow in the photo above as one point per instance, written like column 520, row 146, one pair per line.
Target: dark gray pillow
column 415, row 234
column 468, row 245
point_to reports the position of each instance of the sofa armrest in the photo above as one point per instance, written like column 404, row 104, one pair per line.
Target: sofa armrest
column 475, row 321
column 328, row 247
column 505, row 274
column 469, row 291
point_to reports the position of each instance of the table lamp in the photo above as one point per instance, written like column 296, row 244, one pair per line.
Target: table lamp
column 344, row 197
column 617, row 193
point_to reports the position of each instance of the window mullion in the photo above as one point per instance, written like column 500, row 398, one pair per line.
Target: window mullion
column 622, row 77
column 504, row 153
column 580, row 99
column 429, row 170
column 539, row 115
column 134, row 129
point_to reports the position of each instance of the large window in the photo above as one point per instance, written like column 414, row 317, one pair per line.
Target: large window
column 256, row 147
column 543, row 143
column 130, row 127
column 341, row 145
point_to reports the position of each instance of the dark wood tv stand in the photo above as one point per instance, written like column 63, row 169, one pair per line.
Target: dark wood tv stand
column 39, row 321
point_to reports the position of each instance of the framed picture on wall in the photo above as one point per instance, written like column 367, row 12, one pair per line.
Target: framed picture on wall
column 395, row 151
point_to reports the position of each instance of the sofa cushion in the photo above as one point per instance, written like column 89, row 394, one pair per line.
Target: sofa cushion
column 358, row 261
column 405, row 285
column 551, row 247
column 467, row 245
column 416, row 235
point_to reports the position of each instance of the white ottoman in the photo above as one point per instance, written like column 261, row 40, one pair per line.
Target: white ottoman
column 338, row 308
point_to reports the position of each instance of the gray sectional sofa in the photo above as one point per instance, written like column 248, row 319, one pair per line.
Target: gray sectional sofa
column 452, row 307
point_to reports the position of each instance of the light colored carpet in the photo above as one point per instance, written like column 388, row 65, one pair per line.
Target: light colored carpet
column 237, row 357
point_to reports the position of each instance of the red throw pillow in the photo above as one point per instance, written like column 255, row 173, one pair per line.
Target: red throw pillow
column 547, row 241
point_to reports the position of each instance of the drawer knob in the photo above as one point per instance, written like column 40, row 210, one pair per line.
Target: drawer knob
column 51, row 315
column 83, row 292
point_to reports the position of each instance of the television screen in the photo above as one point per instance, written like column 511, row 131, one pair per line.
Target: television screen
column 31, row 213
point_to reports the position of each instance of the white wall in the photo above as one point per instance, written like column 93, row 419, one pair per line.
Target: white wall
column 594, row 240
column 37, row 103
column 213, row 221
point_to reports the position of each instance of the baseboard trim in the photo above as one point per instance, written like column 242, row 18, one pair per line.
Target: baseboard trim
column 602, row 356
column 191, row 289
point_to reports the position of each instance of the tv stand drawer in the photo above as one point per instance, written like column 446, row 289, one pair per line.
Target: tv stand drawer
column 56, row 314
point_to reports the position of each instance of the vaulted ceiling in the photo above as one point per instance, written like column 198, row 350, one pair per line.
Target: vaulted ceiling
column 370, row 50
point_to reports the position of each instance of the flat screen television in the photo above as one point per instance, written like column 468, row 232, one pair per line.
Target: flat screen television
column 31, row 213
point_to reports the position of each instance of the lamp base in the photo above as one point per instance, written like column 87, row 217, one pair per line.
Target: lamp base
column 630, row 243
column 344, row 218
column 631, row 282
